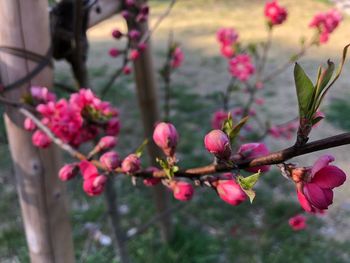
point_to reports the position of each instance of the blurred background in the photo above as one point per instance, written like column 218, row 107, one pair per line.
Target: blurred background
column 207, row 229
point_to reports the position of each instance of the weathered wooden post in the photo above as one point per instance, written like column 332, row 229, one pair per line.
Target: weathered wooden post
column 25, row 25
column 148, row 104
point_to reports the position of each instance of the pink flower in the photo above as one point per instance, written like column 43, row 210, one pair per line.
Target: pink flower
column 107, row 142
column 218, row 119
column 326, row 23
column 117, row 34
column 227, row 36
column 230, row 192
column 227, row 51
column 134, row 54
column 110, row 160
column 68, row 171
column 241, row 67
column 42, row 94
column 254, row 150
column 126, row 70
column 182, row 191
column 177, row 58
column 113, row 127
column 29, row 124
column 274, row 13
column 93, row 182
column 134, row 34
column 131, row 164
column 297, row 222
column 114, row 52
column 317, row 193
column 40, row 139
column 218, row 143
column 166, row 137
column 153, row 180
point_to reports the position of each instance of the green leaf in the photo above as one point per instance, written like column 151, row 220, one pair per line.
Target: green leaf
column 247, row 184
column 316, row 120
column 251, row 194
column 227, row 126
column 305, row 90
column 236, row 129
column 141, row 148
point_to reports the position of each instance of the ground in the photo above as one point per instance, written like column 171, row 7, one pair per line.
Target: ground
column 208, row 230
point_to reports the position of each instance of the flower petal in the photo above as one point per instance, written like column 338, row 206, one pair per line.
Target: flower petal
column 329, row 177
column 318, row 197
column 323, row 161
column 305, row 204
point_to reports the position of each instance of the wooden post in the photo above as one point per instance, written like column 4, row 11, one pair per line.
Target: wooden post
column 25, row 25
column 148, row 103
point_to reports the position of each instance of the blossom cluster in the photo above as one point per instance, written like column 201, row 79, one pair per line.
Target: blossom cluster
column 76, row 120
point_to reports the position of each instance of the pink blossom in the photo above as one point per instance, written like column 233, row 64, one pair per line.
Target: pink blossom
column 326, row 23
column 254, row 150
column 131, row 164
column 42, row 94
column 297, row 222
column 227, row 51
column 134, row 54
column 107, row 142
column 68, row 172
column 227, row 36
column 275, row 13
column 113, row 127
column 29, row 124
column 114, row 52
column 182, row 191
column 317, row 192
column 230, row 192
column 218, row 119
column 126, row 70
column 94, row 186
column 218, row 143
column 166, row 137
column 241, row 67
column 125, row 14
column 40, row 139
column 110, row 160
column 177, row 58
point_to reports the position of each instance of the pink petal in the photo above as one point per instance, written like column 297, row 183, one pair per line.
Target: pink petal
column 305, row 204
column 88, row 170
column 323, row 161
column 329, row 177
column 317, row 196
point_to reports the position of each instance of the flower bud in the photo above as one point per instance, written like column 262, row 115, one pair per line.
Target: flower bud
column 230, row 192
column 68, row 171
column 134, row 54
column 126, row 70
column 125, row 14
column 29, row 124
column 182, row 191
column 114, row 52
column 40, row 139
column 94, row 186
column 166, row 137
column 254, row 150
column 134, row 34
column 117, row 34
column 297, row 222
column 107, row 142
column 110, row 160
column 131, row 164
column 217, row 143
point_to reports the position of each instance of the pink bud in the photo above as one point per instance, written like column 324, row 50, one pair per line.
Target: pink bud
column 126, row 70
column 134, row 34
column 42, row 94
column 297, row 222
column 131, row 164
column 29, row 124
column 182, row 191
column 40, row 139
column 113, row 127
column 125, row 14
column 144, row 9
column 114, row 52
column 68, row 171
column 254, row 150
column 153, row 180
column 230, row 192
column 142, row 46
column 166, row 137
column 129, row 3
column 134, row 54
column 275, row 13
column 141, row 18
column 110, row 160
column 107, row 142
column 217, row 143
column 117, row 34
column 94, row 186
